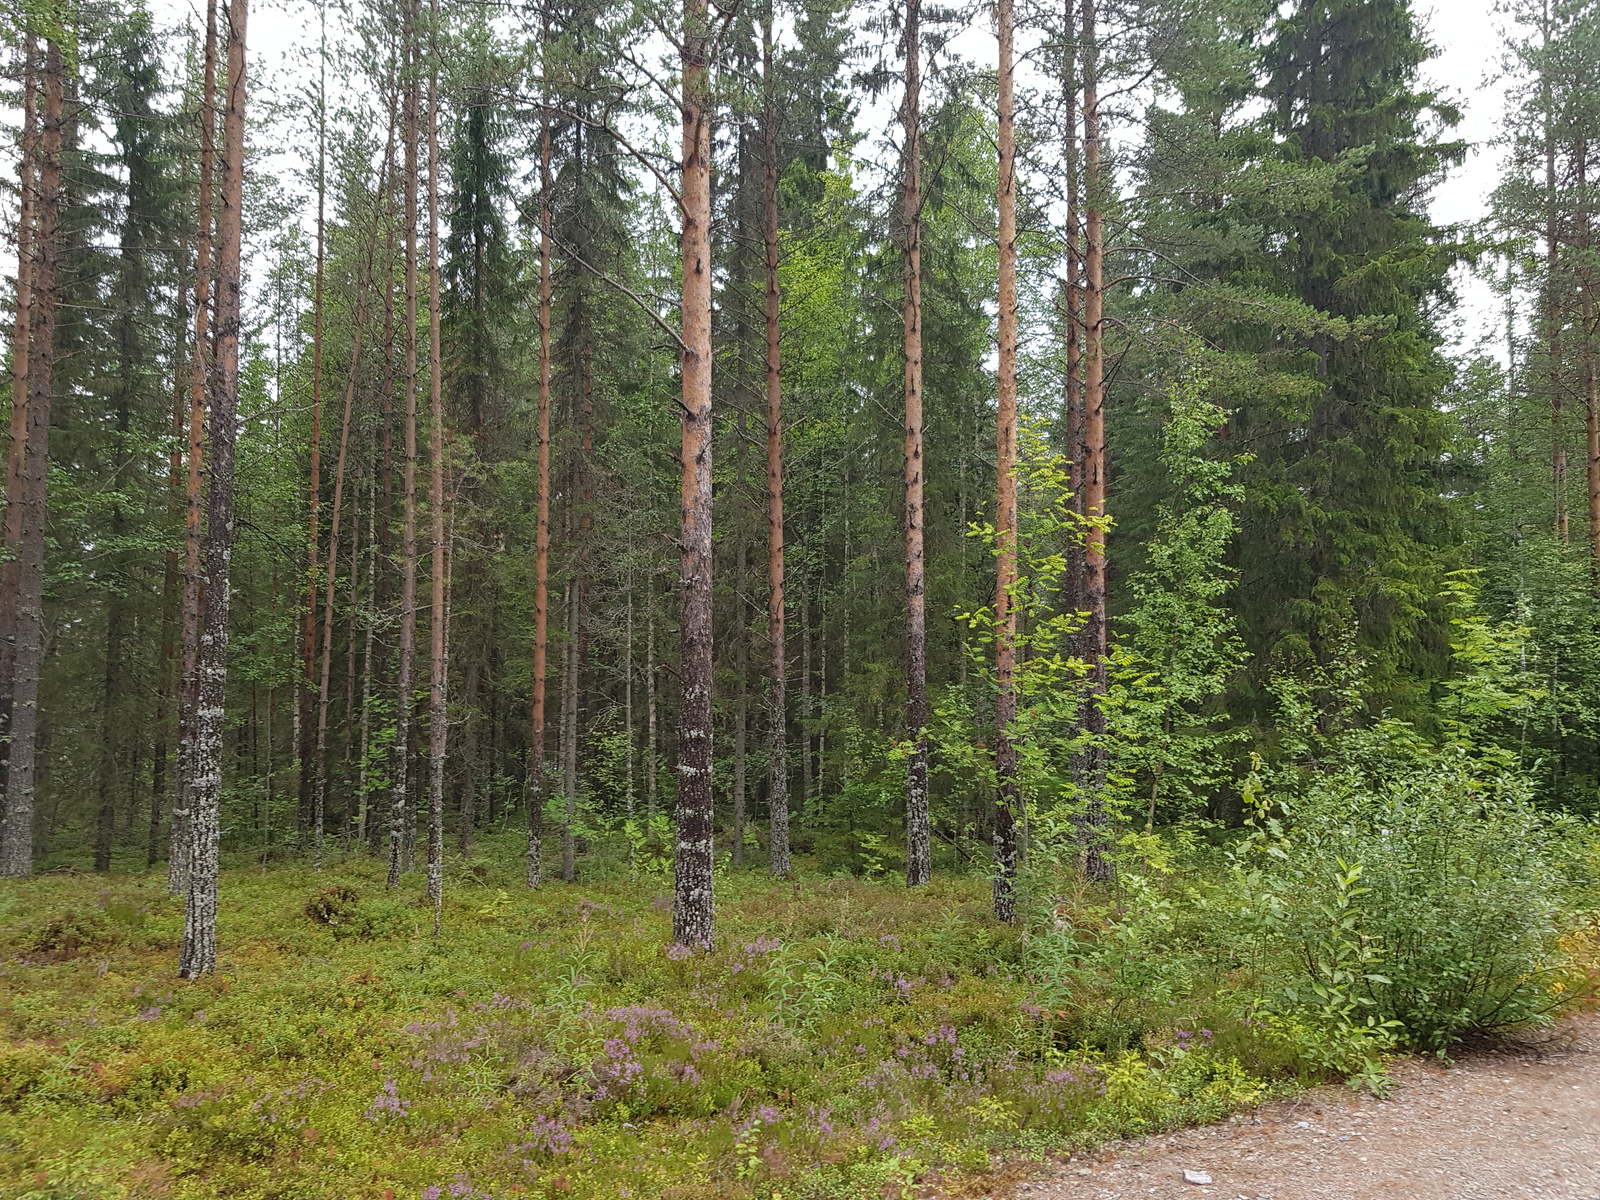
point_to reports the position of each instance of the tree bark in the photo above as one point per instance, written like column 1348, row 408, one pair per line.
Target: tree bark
column 741, row 629
column 16, row 830
column 1096, row 865
column 777, row 696
column 438, row 679
column 312, row 778
column 193, row 567
column 694, row 905
column 541, row 553
column 399, row 834
column 27, row 185
column 319, row 799
column 199, row 954
column 1005, row 522
column 919, row 838
column 171, row 589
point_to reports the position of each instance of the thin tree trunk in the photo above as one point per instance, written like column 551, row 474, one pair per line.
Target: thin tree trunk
column 1074, row 599
column 16, row 831
column 1005, row 521
column 363, row 788
column 741, row 629
column 438, row 678
column 627, row 700
column 193, row 567
column 569, row 737
column 401, row 827
column 1096, row 865
column 27, row 185
column 199, row 954
column 170, row 588
column 312, row 779
column 541, row 553
column 352, row 621
column 1591, row 384
column 777, row 697
column 650, row 758
column 319, row 799
column 469, row 762
column 694, row 905
column 919, row 844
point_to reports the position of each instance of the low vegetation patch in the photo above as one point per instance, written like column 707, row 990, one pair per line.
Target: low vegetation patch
column 844, row 1038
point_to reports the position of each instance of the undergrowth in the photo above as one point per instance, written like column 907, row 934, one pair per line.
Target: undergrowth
column 844, row 1040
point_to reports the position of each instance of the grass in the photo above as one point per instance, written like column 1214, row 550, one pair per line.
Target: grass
column 845, row 1039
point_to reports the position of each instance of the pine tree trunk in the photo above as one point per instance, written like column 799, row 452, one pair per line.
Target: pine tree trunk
column 541, row 553
column 16, row 830
column 741, row 631
column 347, row 821
column 193, row 527
column 1074, row 598
column 469, row 762
column 402, row 829
column 694, row 906
column 777, row 696
column 1005, row 521
column 199, row 954
column 16, row 460
column 319, row 799
column 438, row 680
column 363, row 787
column 312, row 779
column 1591, row 384
column 919, row 838
column 1096, row 865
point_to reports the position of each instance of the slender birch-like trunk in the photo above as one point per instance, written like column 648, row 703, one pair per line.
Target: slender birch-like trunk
column 919, row 838
column 199, row 954
column 694, row 905
column 777, row 695
column 16, row 829
column 171, row 587
column 1005, row 521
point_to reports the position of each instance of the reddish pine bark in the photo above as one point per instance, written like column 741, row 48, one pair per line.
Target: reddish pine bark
column 694, row 905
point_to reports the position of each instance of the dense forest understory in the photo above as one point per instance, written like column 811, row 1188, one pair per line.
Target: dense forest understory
column 775, row 600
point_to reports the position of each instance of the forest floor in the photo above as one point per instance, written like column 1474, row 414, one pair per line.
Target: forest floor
column 1520, row 1119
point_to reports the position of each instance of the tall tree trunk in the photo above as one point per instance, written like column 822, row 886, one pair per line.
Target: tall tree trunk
column 319, row 799
column 193, row 567
column 741, row 630
column 777, row 695
column 16, row 830
column 1591, row 384
column 569, row 736
column 919, row 838
column 310, row 762
column 347, row 820
column 27, row 185
column 650, row 756
column 199, row 954
column 1005, row 521
column 1096, row 865
column 402, row 826
column 541, row 552
column 170, row 588
column 694, row 905
column 438, row 680
column 469, row 760
column 363, row 785
column 1074, row 598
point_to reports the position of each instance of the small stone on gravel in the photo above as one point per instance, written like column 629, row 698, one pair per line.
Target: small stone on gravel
column 1196, row 1177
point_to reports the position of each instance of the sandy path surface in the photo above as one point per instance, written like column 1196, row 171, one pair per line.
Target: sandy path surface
column 1514, row 1122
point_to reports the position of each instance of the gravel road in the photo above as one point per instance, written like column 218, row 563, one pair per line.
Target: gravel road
column 1520, row 1121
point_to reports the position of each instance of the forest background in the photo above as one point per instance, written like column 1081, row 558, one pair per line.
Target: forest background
column 1079, row 489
